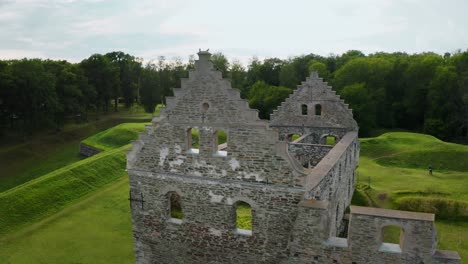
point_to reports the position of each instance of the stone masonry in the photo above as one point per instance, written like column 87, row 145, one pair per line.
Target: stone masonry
column 298, row 191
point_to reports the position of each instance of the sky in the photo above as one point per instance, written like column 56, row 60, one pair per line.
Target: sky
column 75, row 29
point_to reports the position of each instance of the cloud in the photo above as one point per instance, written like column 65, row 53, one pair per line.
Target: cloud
column 75, row 29
column 20, row 54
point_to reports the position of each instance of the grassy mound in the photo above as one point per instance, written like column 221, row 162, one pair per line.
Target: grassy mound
column 52, row 192
column 116, row 136
column 412, row 150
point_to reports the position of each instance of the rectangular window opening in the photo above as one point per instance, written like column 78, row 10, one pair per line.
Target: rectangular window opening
column 193, row 140
column 220, row 146
column 243, row 219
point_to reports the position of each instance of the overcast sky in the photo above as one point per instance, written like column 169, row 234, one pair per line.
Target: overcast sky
column 75, row 29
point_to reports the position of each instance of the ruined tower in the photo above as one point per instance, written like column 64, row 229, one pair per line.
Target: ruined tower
column 185, row 189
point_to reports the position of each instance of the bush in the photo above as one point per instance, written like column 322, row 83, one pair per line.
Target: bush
column 359, row 198
column 443, row 208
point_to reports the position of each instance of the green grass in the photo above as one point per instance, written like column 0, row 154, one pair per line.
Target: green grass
column 391, row 234
column 419, row 151
column 36, row 214
column 50, row 193
column 21, row 162
column 396, row 167
column 26, row 163
column 116, row 136
column 244, row 216
column 44, row 196
column 98, row 229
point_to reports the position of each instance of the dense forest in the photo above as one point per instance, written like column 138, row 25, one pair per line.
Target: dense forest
column 424, row 92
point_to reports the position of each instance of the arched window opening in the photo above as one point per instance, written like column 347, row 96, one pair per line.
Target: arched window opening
column 304, row 109
column 193, row 140
column 318, row 110
column 392, row 238
column 331, row 140
column 175, row 208
column 205, row 107
column 220, row 142
column 243, row 218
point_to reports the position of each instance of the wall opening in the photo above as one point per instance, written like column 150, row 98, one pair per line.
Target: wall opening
column 175, row 208
column 392, row 238
column 193, row 140
column 292, row 137
column 304, row 109
column 318, row 110
column 330, row 140
column 220, row 146
column 205, row 107
column 243, row 218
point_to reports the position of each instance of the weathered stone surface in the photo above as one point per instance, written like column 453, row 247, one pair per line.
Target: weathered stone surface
column 298, row 212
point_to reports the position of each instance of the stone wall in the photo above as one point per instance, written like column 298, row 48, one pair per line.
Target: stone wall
column 88, row 150
column 309, row 155
column 207, row 233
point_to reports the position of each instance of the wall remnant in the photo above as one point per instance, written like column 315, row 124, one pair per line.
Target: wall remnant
column 88, row 150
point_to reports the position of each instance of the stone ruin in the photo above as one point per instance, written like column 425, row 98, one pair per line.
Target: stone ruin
column 298, row 190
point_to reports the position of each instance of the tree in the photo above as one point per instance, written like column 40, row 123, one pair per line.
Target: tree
column 418, row 76
column 266, row 98
column 129, row 76
column 238, row 75
column 288, row 75
column 220, row 62
column 267, row 71
column 30, row 95
column 319, row 67
column 359, row 99
column 150, row 91
column 444, row 116
column 104, row 77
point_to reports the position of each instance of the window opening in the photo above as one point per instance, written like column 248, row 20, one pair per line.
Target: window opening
column 193, row 140
column 304, row 109
column 243, row 218
column 220, row 142
column 175, row 208
column 392, row 239
column 318, row 110
column 205, row 107
column 330, row 140
column 293, row 137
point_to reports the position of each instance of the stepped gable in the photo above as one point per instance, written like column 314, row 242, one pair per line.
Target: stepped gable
column 205, row 97
column 317, row 95
column 208, row 104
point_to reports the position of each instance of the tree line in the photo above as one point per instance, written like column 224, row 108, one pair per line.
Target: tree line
column 424, row 92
